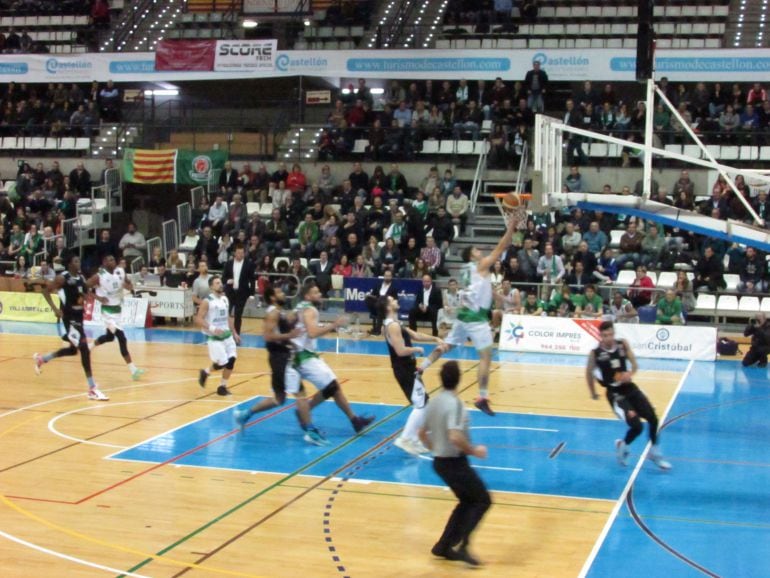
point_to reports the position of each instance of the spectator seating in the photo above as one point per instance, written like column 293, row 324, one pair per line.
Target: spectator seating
column 55, row 34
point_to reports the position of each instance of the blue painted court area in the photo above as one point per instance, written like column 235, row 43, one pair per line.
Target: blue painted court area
column 528, row 453
column 709, row 515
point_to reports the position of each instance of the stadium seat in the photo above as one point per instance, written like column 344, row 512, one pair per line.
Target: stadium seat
column 729, row 153
column 252, row 208
column 692, row 151
column 464, row 147
column 652, row 275
column 647, row 314
column 359, row 147
column 615, row 236
column 666, row 279
column 765, row 305
column 731, row 281
column 598, row 149
column 749, row 304
column 278, row 260
column 706, row 302
column 447, row 147
column 748, row 153
column 727, row 303
column 266, row 210
column 625, row 277
column 480, row 146
column 337, row 282
column 429, row 147
column 189, row 245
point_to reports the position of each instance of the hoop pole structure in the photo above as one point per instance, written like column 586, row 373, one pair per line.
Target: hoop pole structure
column 711, row 158
column 648, row 142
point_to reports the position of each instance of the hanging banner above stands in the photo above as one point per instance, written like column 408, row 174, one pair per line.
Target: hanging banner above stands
column 185, row 167
column 260, row 59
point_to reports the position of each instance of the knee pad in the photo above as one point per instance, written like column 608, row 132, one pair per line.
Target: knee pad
column 122, row 342
column 330, row 389
column 218, row 367
column 230, row 363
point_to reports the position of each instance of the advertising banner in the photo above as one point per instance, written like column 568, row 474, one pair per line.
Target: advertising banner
column 580, row 336
column 670, row 341
column 169, row 302
column 30, row 307
column 133, row 313
column 245, row 55
column 186, row 55
column 548, row 334
column 708, row 65
column 356, row 289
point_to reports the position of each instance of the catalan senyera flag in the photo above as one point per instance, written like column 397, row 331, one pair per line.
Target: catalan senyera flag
column 149, row 167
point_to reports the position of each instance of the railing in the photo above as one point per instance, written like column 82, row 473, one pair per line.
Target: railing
column 184, row 218
column 152, row 244
column 196, row 196
column 170, row 236
column 478, row 177
column 213, row 182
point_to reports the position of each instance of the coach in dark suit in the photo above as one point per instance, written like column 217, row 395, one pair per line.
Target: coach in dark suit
column 386, row 288
column 427, row 304
column 238, row 279
column 322, row 270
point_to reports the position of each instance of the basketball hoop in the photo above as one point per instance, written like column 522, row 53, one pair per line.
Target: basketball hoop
column 518, row 213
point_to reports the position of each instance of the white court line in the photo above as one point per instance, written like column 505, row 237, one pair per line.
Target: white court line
column 500, row 468
column 68, row 557
column 515, row 427
column 621, row 500
column 52, row 421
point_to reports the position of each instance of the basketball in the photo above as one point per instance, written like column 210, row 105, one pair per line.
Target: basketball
column 511, row 201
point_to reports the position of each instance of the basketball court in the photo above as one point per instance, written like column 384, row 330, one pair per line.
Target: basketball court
column 159, row 482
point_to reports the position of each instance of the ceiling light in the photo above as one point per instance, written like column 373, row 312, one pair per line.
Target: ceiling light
column 249, row 23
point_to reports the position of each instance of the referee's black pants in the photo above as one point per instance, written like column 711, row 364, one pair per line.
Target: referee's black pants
column 474, row 498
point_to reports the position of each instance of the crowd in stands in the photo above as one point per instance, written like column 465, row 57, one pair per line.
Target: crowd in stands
column 33, row 210
column 58, row 110
column 409, row 112
column 348, row 13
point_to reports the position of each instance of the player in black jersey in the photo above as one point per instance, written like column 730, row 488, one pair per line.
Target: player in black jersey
column 72, row 287
column 402, row 358
column 608, row 364
column 278, row 333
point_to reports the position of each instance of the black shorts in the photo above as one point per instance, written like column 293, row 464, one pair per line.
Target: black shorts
column 629, row 397
column 404, row 372
column 278, row 362
column 74, row 322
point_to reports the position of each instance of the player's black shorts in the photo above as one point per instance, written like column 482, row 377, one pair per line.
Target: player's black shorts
column 278, row 362
column 73, row 320
column 404, row 372
column 629, row 397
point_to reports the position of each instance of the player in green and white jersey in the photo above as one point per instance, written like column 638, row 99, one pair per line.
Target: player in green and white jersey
column 217, row 325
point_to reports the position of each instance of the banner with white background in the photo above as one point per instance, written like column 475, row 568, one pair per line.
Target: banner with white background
column 744, row 65
column 579, row 336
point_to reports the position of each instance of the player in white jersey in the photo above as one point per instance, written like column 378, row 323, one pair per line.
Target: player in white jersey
column 309, row 366
column 217, row 325
column 473, row 317
column 109, row 283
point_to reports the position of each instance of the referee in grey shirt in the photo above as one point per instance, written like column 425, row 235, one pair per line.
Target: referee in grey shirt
column 446, row 434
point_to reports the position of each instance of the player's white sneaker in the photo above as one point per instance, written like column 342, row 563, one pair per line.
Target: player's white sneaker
column 407, row 445
column 621, row 452
column 421, row 449
column 38, row 359
column 656, row 457
column 95, row 394
column 136, row 375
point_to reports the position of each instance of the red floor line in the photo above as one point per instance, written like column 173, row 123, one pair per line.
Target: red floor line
column 49, row 500
column 180, row 456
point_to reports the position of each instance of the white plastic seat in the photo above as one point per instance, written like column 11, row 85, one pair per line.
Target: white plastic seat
column 625, row 277
column 765, row 305
column 252, row 208
column 615, row 236
column 598, row 149
column 727, row 303
column 359, row 147
column 447, row 147
column 706, row 302
column 67, row 143
column 729, row 153
column 654, row 277
column 429, row 147
column 749, row 304
column 732, row 280
column 666, row 279
column 189, row 244
column 464, row 147
column 337, row 282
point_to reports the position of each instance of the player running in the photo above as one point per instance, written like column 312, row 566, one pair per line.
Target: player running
column 278, row 333
column 309, row 366
column 109, row 283
column 217, row 325
column 608, row 364
column 71, row 286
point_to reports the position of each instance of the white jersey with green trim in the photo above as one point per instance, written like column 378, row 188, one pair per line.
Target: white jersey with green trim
column 111, row 286
column 218, row 315
column 303, row 341
column 475, row 294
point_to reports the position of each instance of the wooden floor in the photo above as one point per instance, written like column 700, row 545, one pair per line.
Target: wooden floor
column 66, row 511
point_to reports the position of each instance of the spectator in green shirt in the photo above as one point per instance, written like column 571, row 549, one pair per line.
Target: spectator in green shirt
column 562, row 304
column 533, row 305
column 669, row 310
column 589, row 305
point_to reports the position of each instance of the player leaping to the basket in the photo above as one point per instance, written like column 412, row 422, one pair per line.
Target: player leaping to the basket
column 473, row 318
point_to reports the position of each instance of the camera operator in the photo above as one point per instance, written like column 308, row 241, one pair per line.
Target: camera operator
column 759, row 329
